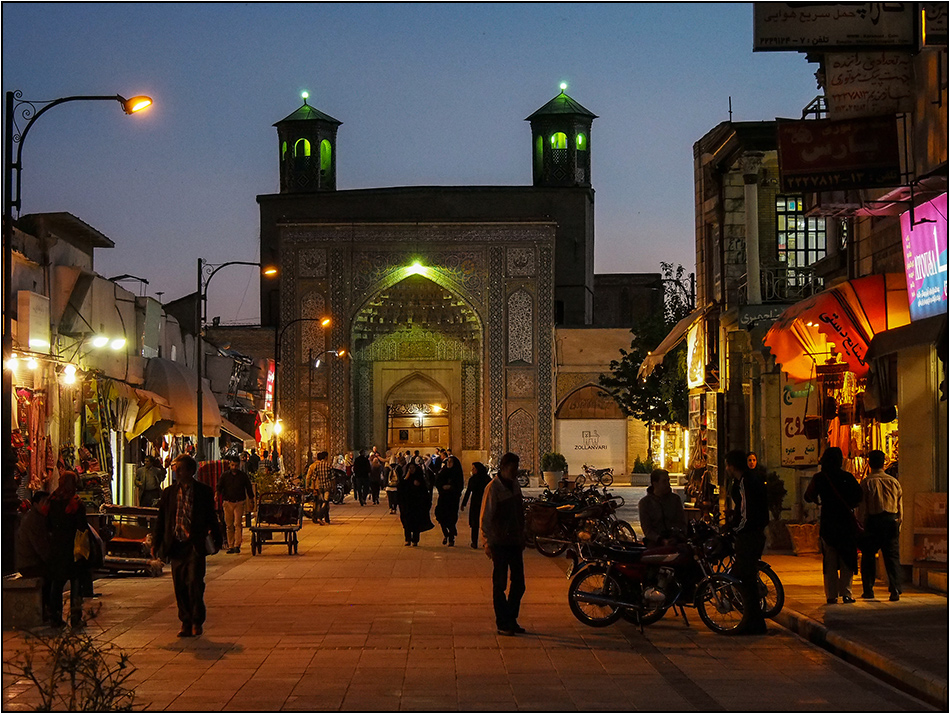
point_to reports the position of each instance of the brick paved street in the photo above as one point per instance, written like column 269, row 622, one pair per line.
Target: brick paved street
column 357, row 621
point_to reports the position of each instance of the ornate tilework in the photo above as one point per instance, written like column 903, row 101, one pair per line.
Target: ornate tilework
column 521, row 438
column 520, row 384
column 545, row 343
column 496, row 371
column 339, row 289
column 313, row 263
column 520, row 327
column 471, row 406
column 312, row 306
column 520, row 262
column 363, row 407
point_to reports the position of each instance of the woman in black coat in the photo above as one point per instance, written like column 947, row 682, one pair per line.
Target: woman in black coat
column 412, row 496
column 476, row 489
column 838, row 492
column 449, row 483
column 65, row 516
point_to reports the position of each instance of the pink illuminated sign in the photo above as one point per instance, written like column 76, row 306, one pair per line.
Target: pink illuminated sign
column 269, row 386
column 925, row 258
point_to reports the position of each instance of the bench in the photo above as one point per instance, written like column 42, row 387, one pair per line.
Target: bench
column 22, row 602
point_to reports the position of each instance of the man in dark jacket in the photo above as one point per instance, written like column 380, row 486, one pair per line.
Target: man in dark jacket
column 361, row 473
column 502, row 525
column 235, row 489
column 749, row 519
column 186, row 517
column 661, row 511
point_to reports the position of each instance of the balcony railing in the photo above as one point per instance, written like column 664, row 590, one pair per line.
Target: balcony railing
column 782, row 285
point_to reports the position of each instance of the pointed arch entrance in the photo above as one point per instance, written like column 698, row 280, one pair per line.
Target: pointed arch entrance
column 417, row 349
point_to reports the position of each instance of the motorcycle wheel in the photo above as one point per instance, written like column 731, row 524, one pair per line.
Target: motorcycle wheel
column 647, row 617
column 772, row 592
column 579, row 481
column 554, row 544
column 594, row 581
column 606, row 479
column 621, row 530
column 719, row 603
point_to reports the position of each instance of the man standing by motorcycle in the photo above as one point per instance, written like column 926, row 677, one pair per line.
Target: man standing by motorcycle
column 502, row 525
column 749, row 517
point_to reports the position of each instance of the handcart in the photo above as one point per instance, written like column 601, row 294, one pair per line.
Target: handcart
column 126, row 532
column 278, row 517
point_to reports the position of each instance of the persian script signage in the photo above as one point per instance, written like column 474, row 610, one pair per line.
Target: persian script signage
column 809, row 26
column 827, row 155
column 863, row 84
column 269, row 386
column 797, row 449
column 925, row 258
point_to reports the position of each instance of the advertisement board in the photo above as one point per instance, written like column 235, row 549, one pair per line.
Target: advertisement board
column 696, row 355
column 798, row 26
column 269, row 386
column 600, row 443
column 826, row 155
column 925, row 258
column 797, row 448
column 863, row 84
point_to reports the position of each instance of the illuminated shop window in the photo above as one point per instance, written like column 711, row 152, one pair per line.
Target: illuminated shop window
column 801, row 238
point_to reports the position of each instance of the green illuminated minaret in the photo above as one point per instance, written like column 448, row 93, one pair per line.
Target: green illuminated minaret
column 560, row 140
column 307, row 150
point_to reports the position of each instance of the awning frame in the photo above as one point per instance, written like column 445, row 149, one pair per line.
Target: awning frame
column 672, row 339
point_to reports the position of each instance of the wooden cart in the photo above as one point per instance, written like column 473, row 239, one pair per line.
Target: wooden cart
column 278, row 517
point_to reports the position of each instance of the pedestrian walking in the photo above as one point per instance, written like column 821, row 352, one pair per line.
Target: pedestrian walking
column 321, row 482
column 32, row 548
column 449, row 483
column 391, row 474
column 477, row 483
column 750, row 516
column 362, row 470
column 235, row 490
column 662, row 515
column 148, row 481
column 502, row 526
column 253, row 462
column 414, row 504
column 883, row 510
column 65, row 519
column 838, row 493
column 185, row 524
column 375, row 476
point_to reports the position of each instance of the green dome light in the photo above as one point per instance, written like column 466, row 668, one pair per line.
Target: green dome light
column 563, row 86
column 305, row 95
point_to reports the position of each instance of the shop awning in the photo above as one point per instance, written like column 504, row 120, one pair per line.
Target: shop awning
column 237, row 432
column 154, row 416
column 178, row 386
column 676, row 335
column 844, row 318
column 923, row 332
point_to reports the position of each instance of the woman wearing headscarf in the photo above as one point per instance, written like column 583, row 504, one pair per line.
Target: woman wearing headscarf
column 476, row 489
column 837, row 492
column 65, row 517
column 412, row 496
column 450, row 482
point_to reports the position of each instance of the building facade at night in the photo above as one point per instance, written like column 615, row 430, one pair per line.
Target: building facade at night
column 445, row 299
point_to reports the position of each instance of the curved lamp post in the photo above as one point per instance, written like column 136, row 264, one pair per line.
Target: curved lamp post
column 13, row 137
column 206, row 271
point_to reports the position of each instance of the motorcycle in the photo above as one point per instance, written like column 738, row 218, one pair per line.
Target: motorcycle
column 640, row 584
column 604, row 477
column 721, row 551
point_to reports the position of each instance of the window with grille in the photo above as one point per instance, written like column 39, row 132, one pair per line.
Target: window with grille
column 801, row 238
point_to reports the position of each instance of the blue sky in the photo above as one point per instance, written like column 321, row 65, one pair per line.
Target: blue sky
column 429, row 94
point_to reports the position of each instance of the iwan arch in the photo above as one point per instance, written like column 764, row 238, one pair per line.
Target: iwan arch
column 446, row 298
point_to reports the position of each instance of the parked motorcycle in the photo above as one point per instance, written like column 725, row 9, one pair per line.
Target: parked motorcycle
column 604, row 477
column 640, row 584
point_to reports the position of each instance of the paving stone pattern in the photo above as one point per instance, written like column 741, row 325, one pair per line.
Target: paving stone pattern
column 359, row 622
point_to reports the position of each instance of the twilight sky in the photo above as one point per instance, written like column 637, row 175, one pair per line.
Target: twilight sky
column 429, row 94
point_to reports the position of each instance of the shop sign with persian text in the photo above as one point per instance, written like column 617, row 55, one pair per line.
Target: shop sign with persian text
column 864, row 84
column 796, row 26
column 827, row 155
column 925, row 258
column 797, row 448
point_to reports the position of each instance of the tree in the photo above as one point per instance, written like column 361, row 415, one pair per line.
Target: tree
column 661, row 397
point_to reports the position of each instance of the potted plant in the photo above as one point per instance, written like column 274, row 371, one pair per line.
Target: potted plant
column 554, row 467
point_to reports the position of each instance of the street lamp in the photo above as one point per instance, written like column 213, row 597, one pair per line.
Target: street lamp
column 278, row 338
column 29, row 111
column 201, row 316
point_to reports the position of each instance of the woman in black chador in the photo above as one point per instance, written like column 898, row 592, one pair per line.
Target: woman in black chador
column 412, row 496
column 476, row 489
column 449, row 484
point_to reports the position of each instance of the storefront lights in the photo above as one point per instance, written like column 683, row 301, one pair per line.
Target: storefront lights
column 31, row 363
column 12, row 364
column 117, row 344
column 278, row 428
column 69, row 374
column 99, row 341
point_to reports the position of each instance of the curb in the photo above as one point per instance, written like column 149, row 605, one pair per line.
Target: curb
column 926, row 687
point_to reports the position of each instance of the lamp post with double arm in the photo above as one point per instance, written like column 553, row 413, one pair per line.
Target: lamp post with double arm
column 206, row 271
column 16, row 108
